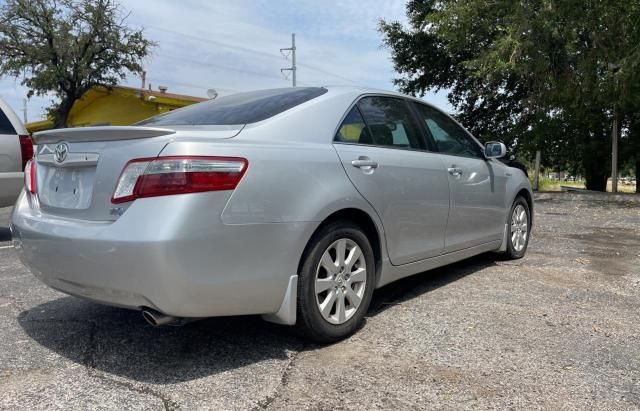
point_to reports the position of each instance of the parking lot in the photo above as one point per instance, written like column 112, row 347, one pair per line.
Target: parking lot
column 559, row 329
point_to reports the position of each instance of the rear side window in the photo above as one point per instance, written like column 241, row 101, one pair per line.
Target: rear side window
column 353, row 129
column 241, row 108
column 5, row 124
column 390, row 123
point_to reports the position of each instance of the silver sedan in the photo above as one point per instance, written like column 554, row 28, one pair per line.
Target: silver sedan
column 290, row 203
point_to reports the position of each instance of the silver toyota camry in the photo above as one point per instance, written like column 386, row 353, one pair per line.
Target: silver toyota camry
column 290, row 203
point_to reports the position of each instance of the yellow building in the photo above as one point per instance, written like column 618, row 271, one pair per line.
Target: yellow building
column 118, row 106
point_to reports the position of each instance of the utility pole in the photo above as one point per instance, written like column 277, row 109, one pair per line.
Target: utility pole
column 614, row 68
column 614, row 152
column 536, row 176
column 144, row 79
column 24, row 110
column 293, row 67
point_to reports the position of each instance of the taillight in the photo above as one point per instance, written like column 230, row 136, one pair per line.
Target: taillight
column 30, row 176
column 26, row 148
column 151, row 177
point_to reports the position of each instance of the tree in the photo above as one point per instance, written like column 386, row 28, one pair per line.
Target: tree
column 538, row 74
column 66, row 47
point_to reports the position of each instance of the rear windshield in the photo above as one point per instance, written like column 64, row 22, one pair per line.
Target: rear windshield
column 241, row 108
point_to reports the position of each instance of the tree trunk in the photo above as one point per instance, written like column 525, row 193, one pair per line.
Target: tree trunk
column 596, row 161
column 61, row 113
column 634, row 137
column 596, row 171
column 596, row 176
column 637, row 171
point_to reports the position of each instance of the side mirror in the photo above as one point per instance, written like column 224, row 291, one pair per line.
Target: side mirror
column 494, row 149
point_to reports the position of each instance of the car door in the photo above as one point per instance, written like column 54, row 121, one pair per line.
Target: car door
column 384, row 154
column 478, row 185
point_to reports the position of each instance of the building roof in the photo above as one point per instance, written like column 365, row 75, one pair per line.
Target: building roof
column 149, row 96
column 160, row 94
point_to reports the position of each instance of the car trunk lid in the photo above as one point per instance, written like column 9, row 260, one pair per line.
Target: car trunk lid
column 77, row 169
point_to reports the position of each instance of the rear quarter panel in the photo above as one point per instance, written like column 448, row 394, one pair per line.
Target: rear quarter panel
column 284, row 182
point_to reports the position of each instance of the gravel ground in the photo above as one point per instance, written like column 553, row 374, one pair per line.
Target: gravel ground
column 558, row 329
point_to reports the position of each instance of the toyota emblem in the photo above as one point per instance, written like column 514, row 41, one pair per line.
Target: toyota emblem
column 61, row 151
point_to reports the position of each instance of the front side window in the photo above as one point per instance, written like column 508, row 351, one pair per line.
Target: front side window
column 390, row 122
column 237, row 109
column 449, row 137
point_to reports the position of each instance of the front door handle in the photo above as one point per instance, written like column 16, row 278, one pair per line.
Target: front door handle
column 455, row 171
column 364, row 163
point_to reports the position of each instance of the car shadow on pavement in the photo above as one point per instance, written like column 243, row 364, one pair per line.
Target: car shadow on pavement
column 411, row 287
column 119, row 342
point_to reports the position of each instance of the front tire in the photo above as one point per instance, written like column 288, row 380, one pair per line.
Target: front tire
column 335, row 283
column 519, row 229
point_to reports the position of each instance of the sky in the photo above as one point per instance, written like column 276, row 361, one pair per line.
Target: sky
column 234, row 45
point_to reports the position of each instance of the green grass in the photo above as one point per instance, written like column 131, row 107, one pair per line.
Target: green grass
column 548, row 184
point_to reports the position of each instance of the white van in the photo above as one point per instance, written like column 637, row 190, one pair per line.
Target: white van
column 15, row 150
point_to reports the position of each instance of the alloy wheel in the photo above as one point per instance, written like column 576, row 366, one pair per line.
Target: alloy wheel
column 519, row 228
column 340, row 282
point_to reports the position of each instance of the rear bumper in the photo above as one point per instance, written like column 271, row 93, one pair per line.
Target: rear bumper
column 10, row 186
column 171, row 253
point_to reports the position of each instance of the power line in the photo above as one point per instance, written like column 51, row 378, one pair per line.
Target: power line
column 250, row 50
column 219, row 66
column 319, row 70
column 217, row 43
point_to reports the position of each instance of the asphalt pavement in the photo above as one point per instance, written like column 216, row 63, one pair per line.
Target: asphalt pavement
column 558, row 329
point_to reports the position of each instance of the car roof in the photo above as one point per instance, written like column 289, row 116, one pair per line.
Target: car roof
column 13, row 118
column 362, row 90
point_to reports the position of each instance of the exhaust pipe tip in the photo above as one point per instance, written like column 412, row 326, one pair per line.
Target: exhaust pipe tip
column 158, row 319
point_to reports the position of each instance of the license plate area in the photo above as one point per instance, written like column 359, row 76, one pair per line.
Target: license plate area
column 65, row 187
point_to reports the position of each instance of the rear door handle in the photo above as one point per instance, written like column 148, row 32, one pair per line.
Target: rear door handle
column 455, row 171
column 364, row 163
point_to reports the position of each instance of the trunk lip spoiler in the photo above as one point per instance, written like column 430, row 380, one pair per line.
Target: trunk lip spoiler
column 99, row 133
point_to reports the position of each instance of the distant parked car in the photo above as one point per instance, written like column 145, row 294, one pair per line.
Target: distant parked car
column 15, row 150
column 628, row 181
column 291, row 203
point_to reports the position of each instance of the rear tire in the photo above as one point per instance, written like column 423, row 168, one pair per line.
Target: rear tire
column 335, row 283
column 518, row 229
